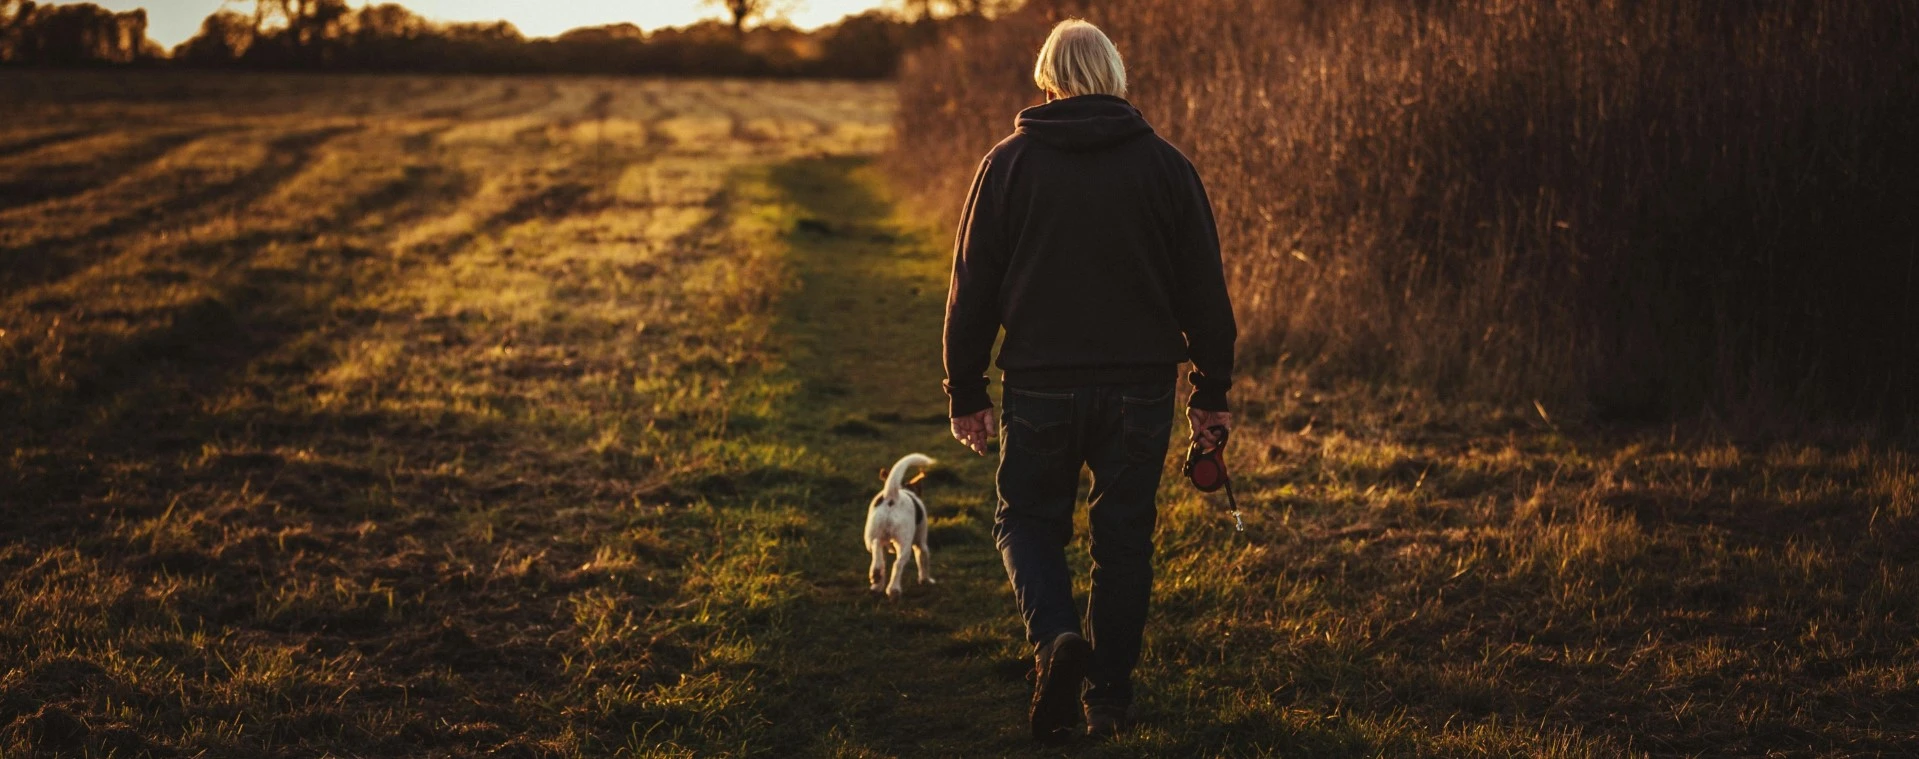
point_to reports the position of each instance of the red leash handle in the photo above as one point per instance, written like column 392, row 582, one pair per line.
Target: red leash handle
column 1206, row 468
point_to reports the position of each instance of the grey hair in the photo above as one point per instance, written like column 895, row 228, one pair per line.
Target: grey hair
column 1078, row 59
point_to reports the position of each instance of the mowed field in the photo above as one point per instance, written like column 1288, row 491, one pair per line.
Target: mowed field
column 409, row 416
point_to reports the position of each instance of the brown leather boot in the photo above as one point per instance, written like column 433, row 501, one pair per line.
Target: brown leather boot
column 1104, row 722
column 1061, row 666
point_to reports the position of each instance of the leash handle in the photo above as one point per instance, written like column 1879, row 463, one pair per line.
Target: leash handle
column 1206, row 468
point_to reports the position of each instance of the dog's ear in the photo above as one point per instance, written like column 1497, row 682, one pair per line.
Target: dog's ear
column 917, row 483
column 884, row 473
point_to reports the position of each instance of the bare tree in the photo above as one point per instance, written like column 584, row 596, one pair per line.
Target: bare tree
column 14, row 14
column 224, row 38
column 743, row 11
column 950, row 8
column 307, row 26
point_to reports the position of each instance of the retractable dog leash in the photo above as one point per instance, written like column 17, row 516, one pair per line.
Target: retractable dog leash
column 1207, row 470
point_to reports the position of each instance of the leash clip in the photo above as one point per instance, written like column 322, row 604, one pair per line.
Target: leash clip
column 1233, row 502
column 1207, row 470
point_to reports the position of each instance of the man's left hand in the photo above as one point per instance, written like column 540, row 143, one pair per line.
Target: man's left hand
column 974, row 430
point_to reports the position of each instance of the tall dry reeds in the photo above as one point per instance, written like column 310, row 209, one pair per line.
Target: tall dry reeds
column 1638, row 208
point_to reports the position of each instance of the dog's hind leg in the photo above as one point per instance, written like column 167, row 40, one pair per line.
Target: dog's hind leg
column 922, row 555
column 878, row 572
column 897, row 586
column 923, row 558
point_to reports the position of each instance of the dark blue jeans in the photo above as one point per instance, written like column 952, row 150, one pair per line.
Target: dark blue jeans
column 1046, row 434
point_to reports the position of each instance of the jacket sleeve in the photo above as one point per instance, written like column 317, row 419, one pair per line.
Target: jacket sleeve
column 1204, row 308
column 972, row 299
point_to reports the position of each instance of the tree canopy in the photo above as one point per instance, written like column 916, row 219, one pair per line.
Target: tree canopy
column 335, row 35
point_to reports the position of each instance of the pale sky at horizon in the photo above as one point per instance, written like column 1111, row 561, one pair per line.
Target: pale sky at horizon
column 171, row 22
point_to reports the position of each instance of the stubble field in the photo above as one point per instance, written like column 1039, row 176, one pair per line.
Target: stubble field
column 409, row 416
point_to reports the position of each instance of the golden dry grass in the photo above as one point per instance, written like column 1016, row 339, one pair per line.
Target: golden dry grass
column 345, row 413
column 390, row 416
column 1629, row 209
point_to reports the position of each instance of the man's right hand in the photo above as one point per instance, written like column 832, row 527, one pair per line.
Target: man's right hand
column 1204, row 421
column 974, row 430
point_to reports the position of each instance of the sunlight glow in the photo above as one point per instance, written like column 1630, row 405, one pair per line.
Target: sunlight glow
column 170, row 22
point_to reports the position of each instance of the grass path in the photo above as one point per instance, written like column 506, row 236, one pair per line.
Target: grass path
column 803, row 659
column 848, row 672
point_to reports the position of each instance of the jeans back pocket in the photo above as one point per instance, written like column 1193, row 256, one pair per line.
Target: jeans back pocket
column 1039, row 422
column 1147, row 420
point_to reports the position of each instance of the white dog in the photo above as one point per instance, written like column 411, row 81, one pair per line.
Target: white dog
column 897, row 517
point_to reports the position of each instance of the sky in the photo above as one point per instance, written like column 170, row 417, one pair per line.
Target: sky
column 170, row 22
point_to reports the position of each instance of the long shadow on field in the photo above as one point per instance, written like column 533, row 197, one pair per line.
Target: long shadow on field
column 136, row 472
column 50, row 260
column 135, row 394
column 52, row 182
column 139, row 468
column 49, row 139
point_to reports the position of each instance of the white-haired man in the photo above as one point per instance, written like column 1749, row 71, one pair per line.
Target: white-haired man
column 1091, row 241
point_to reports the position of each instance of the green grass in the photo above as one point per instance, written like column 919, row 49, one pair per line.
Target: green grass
column 438, row 431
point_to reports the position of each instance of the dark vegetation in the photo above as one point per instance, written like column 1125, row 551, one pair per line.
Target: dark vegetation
column 335, row 35
column 1622, row 210
column 70, row 35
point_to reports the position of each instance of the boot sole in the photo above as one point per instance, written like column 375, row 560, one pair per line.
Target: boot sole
column 1056, row 701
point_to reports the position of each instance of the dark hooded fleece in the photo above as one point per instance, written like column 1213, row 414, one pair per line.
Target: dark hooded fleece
column 1091, row 240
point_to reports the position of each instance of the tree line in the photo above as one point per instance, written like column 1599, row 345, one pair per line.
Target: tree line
column 331, row 35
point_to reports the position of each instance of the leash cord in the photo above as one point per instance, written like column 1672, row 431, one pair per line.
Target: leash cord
column 1238, row 526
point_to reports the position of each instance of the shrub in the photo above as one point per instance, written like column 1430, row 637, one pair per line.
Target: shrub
column 1640, row 208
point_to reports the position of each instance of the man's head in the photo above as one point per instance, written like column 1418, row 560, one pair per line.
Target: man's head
column 1078, row 59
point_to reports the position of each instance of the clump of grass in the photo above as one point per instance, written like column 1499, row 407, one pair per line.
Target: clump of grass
column 855, row 427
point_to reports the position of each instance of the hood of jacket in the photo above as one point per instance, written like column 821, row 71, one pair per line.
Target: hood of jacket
column 1085, row 122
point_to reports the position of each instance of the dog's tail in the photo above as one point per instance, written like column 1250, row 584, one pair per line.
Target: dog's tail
column 894, row 480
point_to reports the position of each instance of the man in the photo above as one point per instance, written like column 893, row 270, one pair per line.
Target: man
column 1091, row 241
